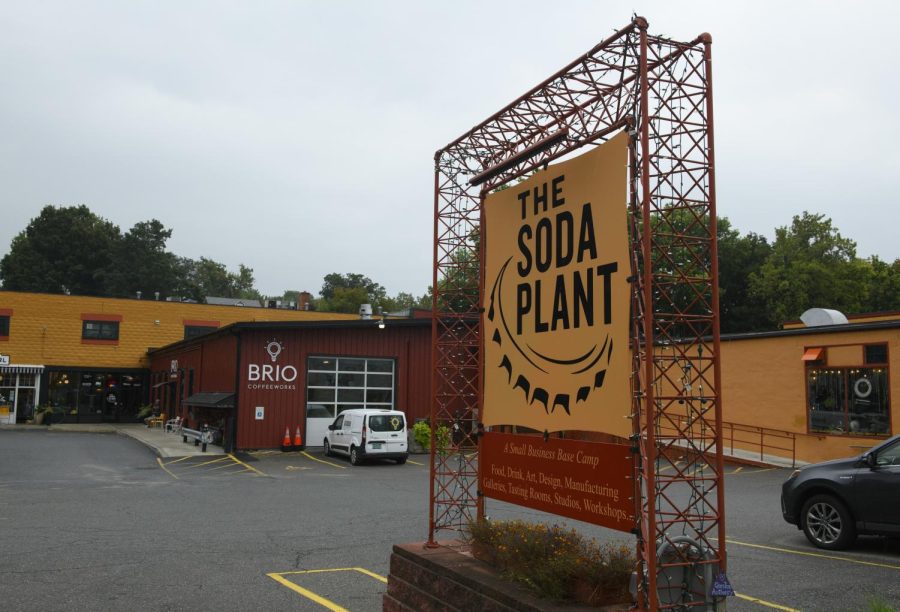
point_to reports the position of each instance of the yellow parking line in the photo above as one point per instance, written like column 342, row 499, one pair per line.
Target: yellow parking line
column 768, row 604
column 162, row 465
column 219, row 467
column 196, row 465
column 308, row 456
column 308, row 594
column 737, row 470
column 279, row 577
column 414, row 462
column 182, row 459
column 363, row 570
column 249, row 467
column 813, row 554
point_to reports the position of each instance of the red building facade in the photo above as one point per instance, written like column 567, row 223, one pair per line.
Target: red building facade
column 253, row 381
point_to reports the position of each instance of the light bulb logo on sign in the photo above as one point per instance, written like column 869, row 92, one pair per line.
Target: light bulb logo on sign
column 556, row 310
column 272, row 377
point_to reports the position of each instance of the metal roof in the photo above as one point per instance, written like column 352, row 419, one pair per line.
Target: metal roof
column 211, row 400
column 223, row 301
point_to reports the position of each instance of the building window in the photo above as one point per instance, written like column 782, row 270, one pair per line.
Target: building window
column 335, row 384
column 4, row 326
column 850, row 400
column 100, row 330
column 192, row 331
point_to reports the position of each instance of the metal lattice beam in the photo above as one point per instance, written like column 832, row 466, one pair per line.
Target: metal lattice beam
column 660, row 91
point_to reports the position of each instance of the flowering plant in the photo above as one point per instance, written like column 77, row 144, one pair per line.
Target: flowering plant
column 554, row 561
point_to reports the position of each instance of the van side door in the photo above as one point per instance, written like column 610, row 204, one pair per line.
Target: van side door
column 335, row 434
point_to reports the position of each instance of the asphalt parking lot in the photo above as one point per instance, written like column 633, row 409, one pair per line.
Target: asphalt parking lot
column 98, row 522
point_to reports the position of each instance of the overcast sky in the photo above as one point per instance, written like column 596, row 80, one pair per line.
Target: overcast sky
column 298, row 137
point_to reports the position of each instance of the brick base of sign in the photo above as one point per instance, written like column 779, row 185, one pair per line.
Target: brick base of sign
column 446, row 579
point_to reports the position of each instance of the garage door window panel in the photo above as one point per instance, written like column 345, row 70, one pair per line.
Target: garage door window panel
column 350, row 382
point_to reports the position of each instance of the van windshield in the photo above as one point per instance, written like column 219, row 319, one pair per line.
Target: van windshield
column 385, row 422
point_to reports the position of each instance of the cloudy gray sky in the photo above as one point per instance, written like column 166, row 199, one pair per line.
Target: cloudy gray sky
column 298, row 137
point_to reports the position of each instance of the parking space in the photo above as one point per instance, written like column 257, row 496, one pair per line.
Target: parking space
column 205, row 467
column 325, row 586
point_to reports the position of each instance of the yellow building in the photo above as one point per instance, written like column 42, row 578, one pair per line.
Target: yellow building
column 811, row 393
column 87, row 356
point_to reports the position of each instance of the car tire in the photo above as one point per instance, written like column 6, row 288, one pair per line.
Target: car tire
column 827, row 522
column 401, row 460
column 354, row 456
column 327, row 448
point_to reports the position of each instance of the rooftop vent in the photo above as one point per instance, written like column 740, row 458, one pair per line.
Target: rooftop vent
column 818, row 317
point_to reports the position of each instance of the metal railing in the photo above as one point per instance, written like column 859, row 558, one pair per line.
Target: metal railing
column 750, row 439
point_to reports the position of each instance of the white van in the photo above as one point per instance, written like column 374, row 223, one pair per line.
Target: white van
column 367, row 433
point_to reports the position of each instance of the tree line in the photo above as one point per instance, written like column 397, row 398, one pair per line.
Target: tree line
column 761, row 284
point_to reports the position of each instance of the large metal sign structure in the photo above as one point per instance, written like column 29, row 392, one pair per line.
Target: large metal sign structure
column 659, row 92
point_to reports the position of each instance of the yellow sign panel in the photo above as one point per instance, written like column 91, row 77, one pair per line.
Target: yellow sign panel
column 557, row 298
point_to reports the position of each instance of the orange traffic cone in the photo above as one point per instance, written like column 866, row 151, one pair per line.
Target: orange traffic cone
column 286, row 443
column 298, row 441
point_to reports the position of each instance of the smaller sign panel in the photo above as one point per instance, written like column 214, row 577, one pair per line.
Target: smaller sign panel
column 4, row 360
column 721, row 586
column 586, row 481
column 260, row 413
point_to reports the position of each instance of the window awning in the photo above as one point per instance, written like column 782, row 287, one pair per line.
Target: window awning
column 813, row 354
column 211, row 400
column 21, row 369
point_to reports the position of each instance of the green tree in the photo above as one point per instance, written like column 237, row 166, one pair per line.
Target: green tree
column 884, row 285
column 344, row 299
column 201, row 279
column 64, row 249
column 335, row 281
column 810, row 265
column 739, row 257
column 346, row 292
column 142, row 262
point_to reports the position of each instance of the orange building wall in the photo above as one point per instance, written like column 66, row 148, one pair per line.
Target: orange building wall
column 764, row 385
column 46, row 329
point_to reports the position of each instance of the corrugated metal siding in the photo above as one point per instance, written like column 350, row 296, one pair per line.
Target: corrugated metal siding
column 219, row 365
column 213, row 363
column 410, row 347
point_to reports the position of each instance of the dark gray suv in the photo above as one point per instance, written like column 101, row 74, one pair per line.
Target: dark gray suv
column 834, row 501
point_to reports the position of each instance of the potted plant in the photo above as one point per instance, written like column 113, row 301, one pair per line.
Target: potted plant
column 42, row 413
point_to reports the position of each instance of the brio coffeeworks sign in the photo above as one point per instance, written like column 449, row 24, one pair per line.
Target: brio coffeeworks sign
column 556, row 315
column 272, row 376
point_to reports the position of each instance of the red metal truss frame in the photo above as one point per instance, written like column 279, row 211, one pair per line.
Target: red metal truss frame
column 661, row 92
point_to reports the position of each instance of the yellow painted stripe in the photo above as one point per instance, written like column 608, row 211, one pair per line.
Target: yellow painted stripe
column 363, row 570
column 414, row 462
column 219, row 467
column 813, row 554
column 196, row 465
column 249, row 467
column 165, row 469
column 182, row 459
column 737, row 470
column 308, row 594
column 308, row 456
column 768, row 604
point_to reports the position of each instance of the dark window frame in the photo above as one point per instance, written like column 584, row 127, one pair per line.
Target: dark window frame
column 842, row 405
column 193, row 331
column 110, row 327
column 4, row 325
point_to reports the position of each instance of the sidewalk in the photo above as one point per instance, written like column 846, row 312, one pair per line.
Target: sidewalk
column 164, row 444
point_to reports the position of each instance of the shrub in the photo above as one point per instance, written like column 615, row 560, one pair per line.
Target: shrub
column 145, row 411
column 422, row 436
column 554, row 561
